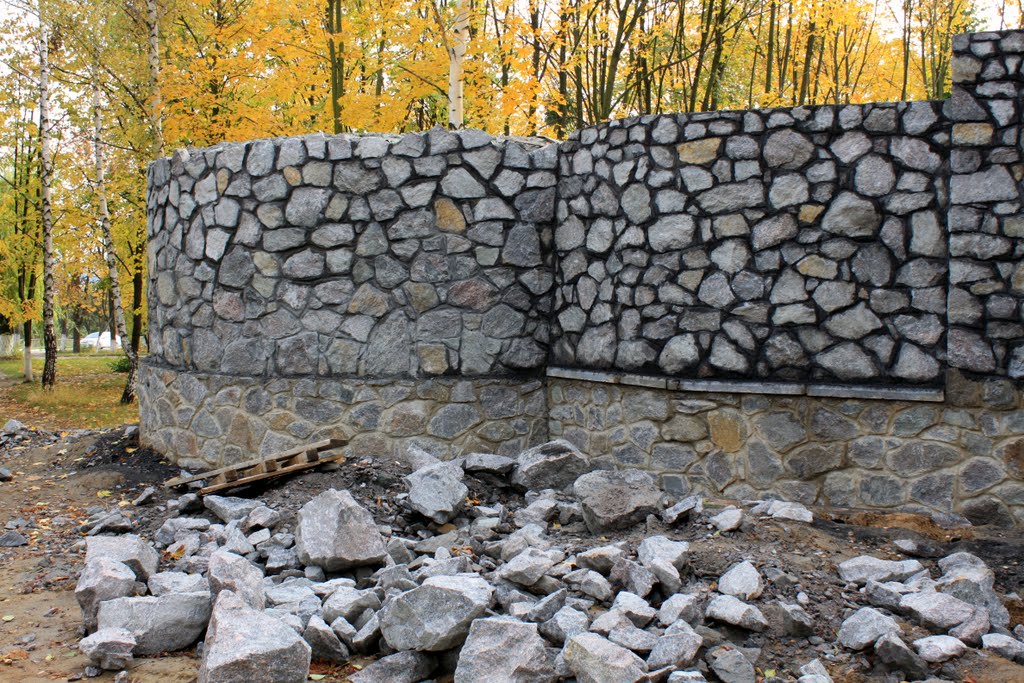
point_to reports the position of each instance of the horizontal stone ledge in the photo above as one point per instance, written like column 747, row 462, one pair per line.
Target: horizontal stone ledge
column 927, row 394
column 713, row 386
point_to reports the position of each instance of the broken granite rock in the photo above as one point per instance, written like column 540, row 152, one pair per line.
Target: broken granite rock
column 230, row 509
column 416, row 457
column 553, row 465
column 677, row 647
column 228, row 571
column 160, row 624
column 244, row 645
column 437, row 615
column 742, row 580
column 594, row 659
column 731, row 610
column 504, row 650
column 163, row 583
column 109, row 649
column 893, row 652
column 861, row 569
column 864, row 627
column 600, row 559
column 730, row 665
column 487, row 463
column 566, row 623
column 967, row 577
column 634, row 608
column 794, row 619
column 128, row 549
column 632, row 638
column 679, row 606
column 529, row 566
column 548, row 606
column 102, row 579
column 437, row 492
column 12, row 539
column 782, row 509
column 402, row 667
column 688, row 507
column 335, row 533
column 348, row 603
column 323, row 641
column 935, row 649
column 729, row 519
column 971, row 630
column 616, row 499
column 1004, row 646
column 936, row 610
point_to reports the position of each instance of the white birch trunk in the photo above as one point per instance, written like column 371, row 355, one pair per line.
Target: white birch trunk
column 45, row 176
column 456, row 58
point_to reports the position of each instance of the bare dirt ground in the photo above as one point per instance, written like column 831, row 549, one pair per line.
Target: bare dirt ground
column 59, row 476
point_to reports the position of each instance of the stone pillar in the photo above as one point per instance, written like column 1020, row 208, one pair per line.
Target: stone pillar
column 986, row 211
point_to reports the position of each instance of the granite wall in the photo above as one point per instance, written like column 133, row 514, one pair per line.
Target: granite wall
column 962, row 456
column 787, row 245
column 374, row 256
column 986, row 214
column 818, row 303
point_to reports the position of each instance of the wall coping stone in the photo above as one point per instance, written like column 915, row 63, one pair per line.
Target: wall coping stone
column 711, row 386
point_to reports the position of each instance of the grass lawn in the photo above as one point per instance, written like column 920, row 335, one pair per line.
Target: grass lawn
column 87, row 395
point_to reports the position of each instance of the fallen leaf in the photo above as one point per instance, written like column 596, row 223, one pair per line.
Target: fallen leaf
column 103, row 494
column 8, row 617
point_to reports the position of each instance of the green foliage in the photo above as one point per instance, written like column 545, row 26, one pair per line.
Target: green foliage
column 121, row 364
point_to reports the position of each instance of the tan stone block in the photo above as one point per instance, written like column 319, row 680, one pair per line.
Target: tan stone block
column 699, row 151
column 810, row 212
column 817, row 266
column 433, row 358
column 292, row 175
column 223, row 178
column 728, row 430
column 448, row 216
column 972, row 133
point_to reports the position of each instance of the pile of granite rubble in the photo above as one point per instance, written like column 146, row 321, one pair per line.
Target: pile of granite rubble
column 492, row 596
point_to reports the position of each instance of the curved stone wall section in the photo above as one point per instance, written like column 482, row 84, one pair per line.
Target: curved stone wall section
column 965, row 457
column 796, row 244
column 373, row 256
column 207, row 420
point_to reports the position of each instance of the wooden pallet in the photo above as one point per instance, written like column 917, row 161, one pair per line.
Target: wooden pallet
column 280, row 464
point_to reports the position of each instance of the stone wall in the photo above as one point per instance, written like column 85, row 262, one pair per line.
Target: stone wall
column 374, row 256
column 204, row 419
column 793, row 244
column 818, row 303
column 965, row 456
column 986, row 215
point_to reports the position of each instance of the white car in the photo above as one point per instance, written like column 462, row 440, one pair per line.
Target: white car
column 99, row 340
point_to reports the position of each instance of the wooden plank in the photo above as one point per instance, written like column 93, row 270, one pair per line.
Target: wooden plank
column 326, row 444
column 245, row 481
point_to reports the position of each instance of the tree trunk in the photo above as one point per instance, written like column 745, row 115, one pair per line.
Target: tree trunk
column 45, row 172
column 108, row 249
column 26, row 354
column 156, row 104
column 456, row 59
column 137, row 280
column 337, row 62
